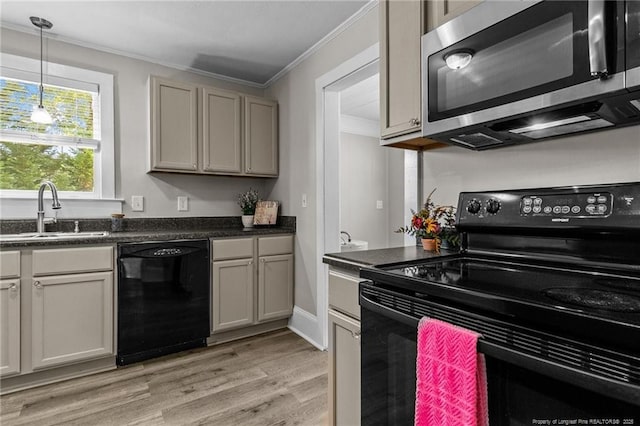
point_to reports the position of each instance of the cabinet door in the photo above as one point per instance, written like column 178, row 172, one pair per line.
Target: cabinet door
column 441, row 11
column 232, row 294
column 9, row 327
column 402, row 24
column 221, row 126
column 174, row 126
column 275, row 287
column 261, row 136
column 344, row 370
column 71, row 318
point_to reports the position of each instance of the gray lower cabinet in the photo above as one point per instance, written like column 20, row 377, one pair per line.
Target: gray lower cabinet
column 344, row 369
column 10, row 301
column 344, row 348
column 275, row 287
column 232, row 294
column 56, row 310
column 252, row 281
column 71, row 318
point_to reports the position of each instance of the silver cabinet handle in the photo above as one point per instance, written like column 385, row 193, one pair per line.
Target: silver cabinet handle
column 262, row 260
column 37, row 284
column 414, row 122
column 356, row 334
column 13, row 287
column 597, row 39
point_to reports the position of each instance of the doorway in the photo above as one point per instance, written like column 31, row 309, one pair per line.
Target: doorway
column 329, row 127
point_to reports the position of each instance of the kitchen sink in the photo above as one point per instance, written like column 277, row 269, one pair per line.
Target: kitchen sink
column 31, row 236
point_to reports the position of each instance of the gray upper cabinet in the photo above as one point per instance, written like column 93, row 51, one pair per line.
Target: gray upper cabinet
column 261, row 136
column 402, row 23
column 221, row 131
column 206, row 130
column 174, row 126
column 441, row 11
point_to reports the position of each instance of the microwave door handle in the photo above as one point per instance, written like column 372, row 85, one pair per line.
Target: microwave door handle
column 597, row 39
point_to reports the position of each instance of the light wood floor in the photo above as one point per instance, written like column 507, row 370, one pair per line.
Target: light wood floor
column 273, row 379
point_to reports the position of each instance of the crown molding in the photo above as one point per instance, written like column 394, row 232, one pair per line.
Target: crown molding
column 326, row 39
column 76, row 42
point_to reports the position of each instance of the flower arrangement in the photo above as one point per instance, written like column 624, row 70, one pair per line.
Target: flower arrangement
column 247, row 201
column 433, row 222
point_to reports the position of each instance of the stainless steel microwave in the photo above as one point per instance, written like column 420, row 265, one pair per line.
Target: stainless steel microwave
column 512, row 72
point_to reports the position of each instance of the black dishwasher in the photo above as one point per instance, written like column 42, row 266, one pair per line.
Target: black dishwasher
column 163, row 298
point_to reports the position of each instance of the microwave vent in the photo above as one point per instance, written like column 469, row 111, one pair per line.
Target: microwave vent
column 635, row 103
column 568, row 128
column 477, row 140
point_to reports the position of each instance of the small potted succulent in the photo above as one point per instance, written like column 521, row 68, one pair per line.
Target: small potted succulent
column 247, row 202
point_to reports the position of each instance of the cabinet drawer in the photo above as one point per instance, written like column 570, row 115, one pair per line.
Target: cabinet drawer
column 270, row 246
column 10, row 261
column 232, row 249
column 71, row 260
column 343, row 293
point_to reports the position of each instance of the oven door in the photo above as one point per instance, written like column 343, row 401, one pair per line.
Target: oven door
column 524, row 56
column 522, row 389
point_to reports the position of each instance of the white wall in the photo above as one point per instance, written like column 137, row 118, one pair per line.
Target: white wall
column 603, row 157
column 208, row 195
column 295, row 93
column 366, row 176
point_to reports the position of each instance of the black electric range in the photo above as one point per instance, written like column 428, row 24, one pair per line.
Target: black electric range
column 549, row 276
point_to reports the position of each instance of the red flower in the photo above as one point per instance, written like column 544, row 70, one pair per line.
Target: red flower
column 416, row 222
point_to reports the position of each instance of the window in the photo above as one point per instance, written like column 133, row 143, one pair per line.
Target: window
column 61, row 151
column 76, row 151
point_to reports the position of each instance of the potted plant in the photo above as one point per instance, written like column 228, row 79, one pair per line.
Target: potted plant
column 247, row 202
column 434, row 225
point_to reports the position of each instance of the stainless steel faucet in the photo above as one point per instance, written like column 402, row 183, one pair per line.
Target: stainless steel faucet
column 348, row 237
column 56, row 204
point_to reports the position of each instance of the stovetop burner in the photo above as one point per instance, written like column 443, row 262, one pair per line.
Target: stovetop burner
column 596, row 299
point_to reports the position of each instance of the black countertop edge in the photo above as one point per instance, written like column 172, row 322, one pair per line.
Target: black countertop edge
column 150, row 236
column 355, row 260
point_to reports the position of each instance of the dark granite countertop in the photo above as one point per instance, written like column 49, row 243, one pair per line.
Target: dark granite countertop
column 146, row 230
column 354, row 260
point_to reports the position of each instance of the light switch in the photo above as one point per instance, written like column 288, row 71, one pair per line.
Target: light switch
column 183, row 204
column 137, row 203
column 379, row 204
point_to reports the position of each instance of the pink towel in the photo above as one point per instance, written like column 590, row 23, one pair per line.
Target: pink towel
column 451, row 385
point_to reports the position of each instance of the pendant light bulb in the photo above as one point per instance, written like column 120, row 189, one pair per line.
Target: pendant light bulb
column 40, row 114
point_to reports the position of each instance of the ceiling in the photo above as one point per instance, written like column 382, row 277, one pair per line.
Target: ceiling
column 247, row 40
column 362, row 99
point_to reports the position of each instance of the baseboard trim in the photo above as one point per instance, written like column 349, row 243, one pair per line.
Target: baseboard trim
column 305, row 325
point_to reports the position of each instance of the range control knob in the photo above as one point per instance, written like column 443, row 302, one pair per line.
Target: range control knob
column 493, row 206
column 474, row 206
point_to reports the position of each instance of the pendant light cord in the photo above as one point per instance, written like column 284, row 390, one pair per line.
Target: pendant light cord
column 41, row 85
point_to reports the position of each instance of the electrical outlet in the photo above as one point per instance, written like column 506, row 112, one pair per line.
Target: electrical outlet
column 137, row 203
column 183, row 204
column 379, row 204
column 304, row 200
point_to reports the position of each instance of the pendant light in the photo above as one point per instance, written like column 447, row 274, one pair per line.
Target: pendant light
column 40, row 114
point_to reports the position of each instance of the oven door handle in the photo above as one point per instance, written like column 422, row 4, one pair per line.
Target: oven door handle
column 603, row 385
column 619, row 390
column 389, row 313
